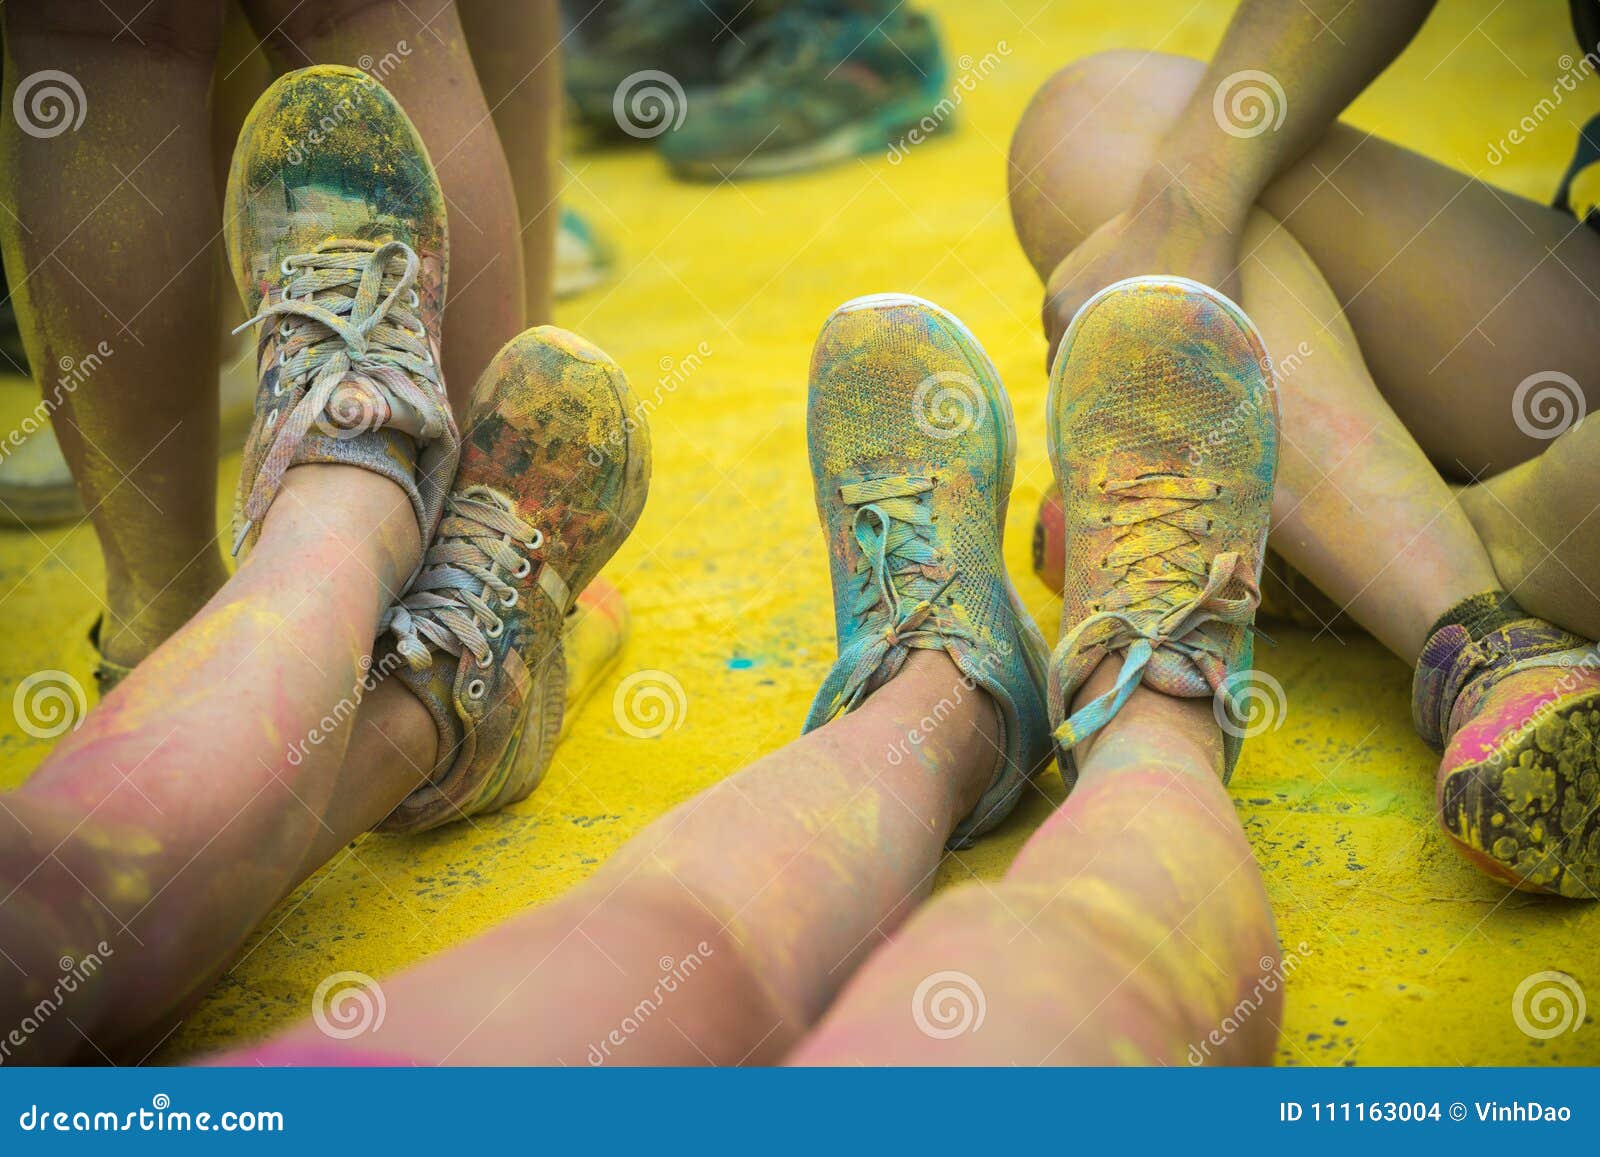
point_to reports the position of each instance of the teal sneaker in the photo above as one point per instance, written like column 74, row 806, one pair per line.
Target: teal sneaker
column 609, row 48
column 583, row 259
column 806, row 89
column 912, row 451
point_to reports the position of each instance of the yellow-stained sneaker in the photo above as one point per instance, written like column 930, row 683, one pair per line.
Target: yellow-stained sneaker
column 1163, row 553
column 912, row 453
column 554, row 470
column 595, row 631
column 335, row 232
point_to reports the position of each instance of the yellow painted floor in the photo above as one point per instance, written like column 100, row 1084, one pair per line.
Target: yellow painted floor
column 1407, row 955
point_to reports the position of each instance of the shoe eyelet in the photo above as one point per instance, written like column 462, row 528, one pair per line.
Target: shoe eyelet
column 272, row 419
column 475, row 689
column 509, row 601
column 277, row 388
column 537, row 540
column 285, row 268
column 484, row 664
column 495, row 631
column 524, row 569
column 413, row 299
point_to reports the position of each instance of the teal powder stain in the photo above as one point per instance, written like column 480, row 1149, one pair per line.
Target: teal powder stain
column 740, row 664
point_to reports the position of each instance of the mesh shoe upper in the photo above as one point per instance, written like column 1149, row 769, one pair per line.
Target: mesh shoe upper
column 1163, row 423
column 912, row 452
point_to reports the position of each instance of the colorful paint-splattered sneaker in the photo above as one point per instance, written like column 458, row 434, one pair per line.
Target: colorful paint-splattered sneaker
column 335, row 230
column 554, row 470
column 1163, row 553
column 1514, row 703
column 912, row 451
column 809, row 86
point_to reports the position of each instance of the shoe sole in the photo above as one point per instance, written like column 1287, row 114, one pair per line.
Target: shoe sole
column 1508, row 830
column 846, row 141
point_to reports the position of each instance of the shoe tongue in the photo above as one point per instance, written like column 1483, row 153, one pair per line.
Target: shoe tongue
column 1176, row 675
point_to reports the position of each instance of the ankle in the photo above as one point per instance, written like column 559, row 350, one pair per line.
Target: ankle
column 366, row 512
column 1153, row 729
column 947, row 721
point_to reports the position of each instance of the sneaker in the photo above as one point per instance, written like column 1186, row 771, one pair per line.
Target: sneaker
column 1164, row 554
column 554, row 470
column 583, row 259
column 806, row 89
column 1516, row 711
column 335, row 232
column 609, row 44
column 592, row 638
column 912, row 451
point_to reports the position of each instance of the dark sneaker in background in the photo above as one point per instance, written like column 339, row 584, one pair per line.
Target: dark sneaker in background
column 607, row 43
column 812, row 85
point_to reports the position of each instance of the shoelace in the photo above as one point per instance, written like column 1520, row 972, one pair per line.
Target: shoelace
column 1168, row 593
column 356, row 304
column 899, row 582
column 455, row 601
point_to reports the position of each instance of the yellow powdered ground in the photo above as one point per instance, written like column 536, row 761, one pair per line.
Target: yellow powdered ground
column 1404, row 953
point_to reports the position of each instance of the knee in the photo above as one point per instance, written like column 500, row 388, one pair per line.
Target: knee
column 1086, row 139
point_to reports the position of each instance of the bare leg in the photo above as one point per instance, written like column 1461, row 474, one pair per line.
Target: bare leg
column 420, row 54
column 1363, row 224
column 186, row 805
column 1360, row 510
column 514, row 48
column 720, row 933
column 1132, row 924
column 110, row 238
